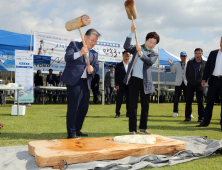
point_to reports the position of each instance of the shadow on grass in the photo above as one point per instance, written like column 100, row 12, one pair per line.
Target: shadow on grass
column 100, row 116
column 5, row 115
column 51, row 136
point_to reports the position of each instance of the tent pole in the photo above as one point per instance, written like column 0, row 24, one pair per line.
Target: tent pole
column 165, row 78
column 31, row 42
column 11, row 77
column 158, row 76
column 103, row 96
column 6, row 79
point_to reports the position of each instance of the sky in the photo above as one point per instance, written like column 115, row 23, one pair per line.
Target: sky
column 182, row 25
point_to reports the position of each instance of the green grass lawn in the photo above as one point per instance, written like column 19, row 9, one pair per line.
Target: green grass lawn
column 48, row 121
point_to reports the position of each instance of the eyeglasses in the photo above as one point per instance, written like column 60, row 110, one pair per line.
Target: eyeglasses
column 183, row 56
column 93, row 41
column 153, row 43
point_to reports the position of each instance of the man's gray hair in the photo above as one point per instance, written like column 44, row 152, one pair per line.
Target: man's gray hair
column 92, row 31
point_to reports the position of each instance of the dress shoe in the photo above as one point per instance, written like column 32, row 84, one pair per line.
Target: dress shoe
column 133, row 133
column 79, row 133
column 187, row 120
column 145, row 131
column 117, row 116
column 72, row 137
column 202, row 124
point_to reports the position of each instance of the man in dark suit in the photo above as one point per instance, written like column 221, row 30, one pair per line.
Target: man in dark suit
column 139, row 78
column 194, row 75
column 78, row 76
column 38, row 82
column 58, row 81
column 38, row 79
column 212, row 75
column 51, row 78
column 120, row 73
column 95, row 88
column 109, row 84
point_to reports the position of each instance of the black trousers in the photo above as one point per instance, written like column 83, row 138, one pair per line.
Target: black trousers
column 189, row 99
column 136, row 87
column 96, row 94
column 214, row 88
column 177, row 95
column 120, row 93
column 78, row 103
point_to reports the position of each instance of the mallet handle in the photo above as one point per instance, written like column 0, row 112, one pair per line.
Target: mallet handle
column 135, row 35
column 83, row 41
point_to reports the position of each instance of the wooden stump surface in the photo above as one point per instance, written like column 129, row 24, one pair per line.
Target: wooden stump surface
column 52, row 152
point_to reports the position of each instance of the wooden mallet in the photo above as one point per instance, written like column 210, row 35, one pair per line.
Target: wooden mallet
column 132, row 14
column 77, row 23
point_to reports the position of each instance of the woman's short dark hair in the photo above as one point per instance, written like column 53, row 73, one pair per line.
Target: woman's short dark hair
column 153, row 35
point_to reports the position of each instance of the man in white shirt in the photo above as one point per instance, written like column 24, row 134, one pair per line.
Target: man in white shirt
column 181, row 81
column 212, row 75
column 120, row 73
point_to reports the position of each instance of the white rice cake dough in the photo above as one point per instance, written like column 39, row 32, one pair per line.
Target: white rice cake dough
column 138, row 139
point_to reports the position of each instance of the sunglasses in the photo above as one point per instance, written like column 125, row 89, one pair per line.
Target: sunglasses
column 183, row 56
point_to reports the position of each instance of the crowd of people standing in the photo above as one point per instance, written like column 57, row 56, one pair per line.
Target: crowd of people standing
column 134, row 79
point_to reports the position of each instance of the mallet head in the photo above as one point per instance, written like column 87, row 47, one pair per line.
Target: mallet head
column 77, row 23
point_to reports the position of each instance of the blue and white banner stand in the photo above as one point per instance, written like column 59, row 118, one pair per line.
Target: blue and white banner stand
column 24, row 75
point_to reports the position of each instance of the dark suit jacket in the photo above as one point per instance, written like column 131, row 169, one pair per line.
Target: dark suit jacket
column 53, row 81
column 209, row 68
column 190, row 72
column 75, row 68
column 120, row 73
column 58, row 80
column 148, row 61
column 38, row 80
column 95, row 80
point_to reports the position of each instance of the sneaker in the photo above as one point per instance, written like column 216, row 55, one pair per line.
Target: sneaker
column 133, row 133
column 191, row 116
column 175, row 114
column 145, row 131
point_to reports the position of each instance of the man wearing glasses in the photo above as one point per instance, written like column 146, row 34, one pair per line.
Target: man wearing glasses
column 194, row 74
column 181, row 81
column 78, row 76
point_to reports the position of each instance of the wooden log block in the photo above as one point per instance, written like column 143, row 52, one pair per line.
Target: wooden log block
column 77, row 23
column 53, row 152
column 131, row 9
